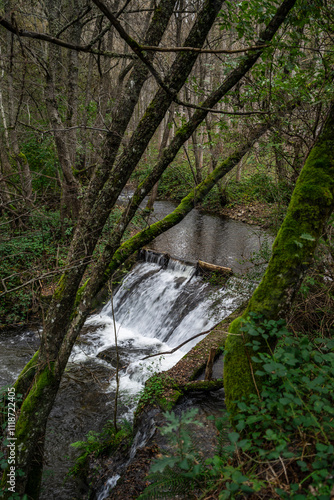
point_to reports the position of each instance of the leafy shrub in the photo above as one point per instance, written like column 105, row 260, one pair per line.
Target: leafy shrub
column 23, row 255
column 282, row 445
column 259, row 187
column 179, row 473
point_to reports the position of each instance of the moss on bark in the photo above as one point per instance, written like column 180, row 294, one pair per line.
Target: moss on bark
column 311, row 204
column 29, row 433
column 27, row 375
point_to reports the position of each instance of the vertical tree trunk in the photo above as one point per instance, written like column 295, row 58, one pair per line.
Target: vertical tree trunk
column 11, row 133
column 74, row 35
column 311, row 204
column 163, row 144
column 55, row 84
column 70, row 186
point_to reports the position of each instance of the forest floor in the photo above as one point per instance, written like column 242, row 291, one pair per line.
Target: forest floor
column 252, row 213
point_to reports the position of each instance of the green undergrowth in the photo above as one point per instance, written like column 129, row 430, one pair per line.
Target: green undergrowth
column 26, row 254
column 99, row 443
column 154, row 392
column 258, row 187
column 32, row 258
column 282, row 441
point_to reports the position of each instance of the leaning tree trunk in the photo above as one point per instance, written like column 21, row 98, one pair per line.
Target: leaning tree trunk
column 311, row 204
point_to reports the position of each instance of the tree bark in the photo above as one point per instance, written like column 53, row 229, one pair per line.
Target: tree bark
column 163, row 144
column 311, row 204
column 70, row 196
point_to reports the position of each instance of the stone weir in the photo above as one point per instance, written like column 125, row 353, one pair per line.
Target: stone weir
column 166, row 260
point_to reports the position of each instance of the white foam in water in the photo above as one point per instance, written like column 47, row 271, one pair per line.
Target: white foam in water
column 155, row 310
column 111, row 483
column 181, row 268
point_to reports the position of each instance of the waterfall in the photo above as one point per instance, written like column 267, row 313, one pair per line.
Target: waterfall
column 158, row 306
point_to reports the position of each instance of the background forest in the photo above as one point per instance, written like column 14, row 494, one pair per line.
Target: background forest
column 214, row 104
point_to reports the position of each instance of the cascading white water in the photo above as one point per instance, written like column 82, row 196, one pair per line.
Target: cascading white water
column 111, row 483
column 158, row 306
column 156, row 309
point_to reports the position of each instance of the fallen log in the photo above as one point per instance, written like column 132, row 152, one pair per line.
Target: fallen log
column 213, row 268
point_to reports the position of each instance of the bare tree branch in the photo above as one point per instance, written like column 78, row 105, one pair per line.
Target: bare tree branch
column 202, row 51
column 48, row 38
column 183, row 343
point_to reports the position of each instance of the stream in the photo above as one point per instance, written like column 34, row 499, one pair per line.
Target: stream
column 156, row 308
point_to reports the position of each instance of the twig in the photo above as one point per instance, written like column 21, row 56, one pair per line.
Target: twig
column 200, row 50
column 183, row 343
column 285, row 473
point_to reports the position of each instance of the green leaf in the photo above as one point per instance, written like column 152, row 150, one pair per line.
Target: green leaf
column 160, row 465
column 184, row 464
column 306, row 236
column 224, row 495
column 237, row 477
column 233, row 437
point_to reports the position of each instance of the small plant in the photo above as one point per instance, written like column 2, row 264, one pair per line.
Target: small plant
column 179, row 472
column 154, row 390
column 97, row 444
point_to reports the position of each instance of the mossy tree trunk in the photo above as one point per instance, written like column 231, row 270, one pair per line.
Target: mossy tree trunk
column 311, row 204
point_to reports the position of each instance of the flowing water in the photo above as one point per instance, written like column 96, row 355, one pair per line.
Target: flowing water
column 155, row 309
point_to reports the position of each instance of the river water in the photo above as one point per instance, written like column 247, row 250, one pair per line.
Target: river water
column 155, row 309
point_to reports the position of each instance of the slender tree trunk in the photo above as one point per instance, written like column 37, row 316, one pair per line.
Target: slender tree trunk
column 163, row 144
column 311, row 204
column 72, row 81
column 55, row 85
column 70, row 186
column 5, row 174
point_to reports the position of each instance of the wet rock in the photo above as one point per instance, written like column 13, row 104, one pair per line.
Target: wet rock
column 125, row 354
